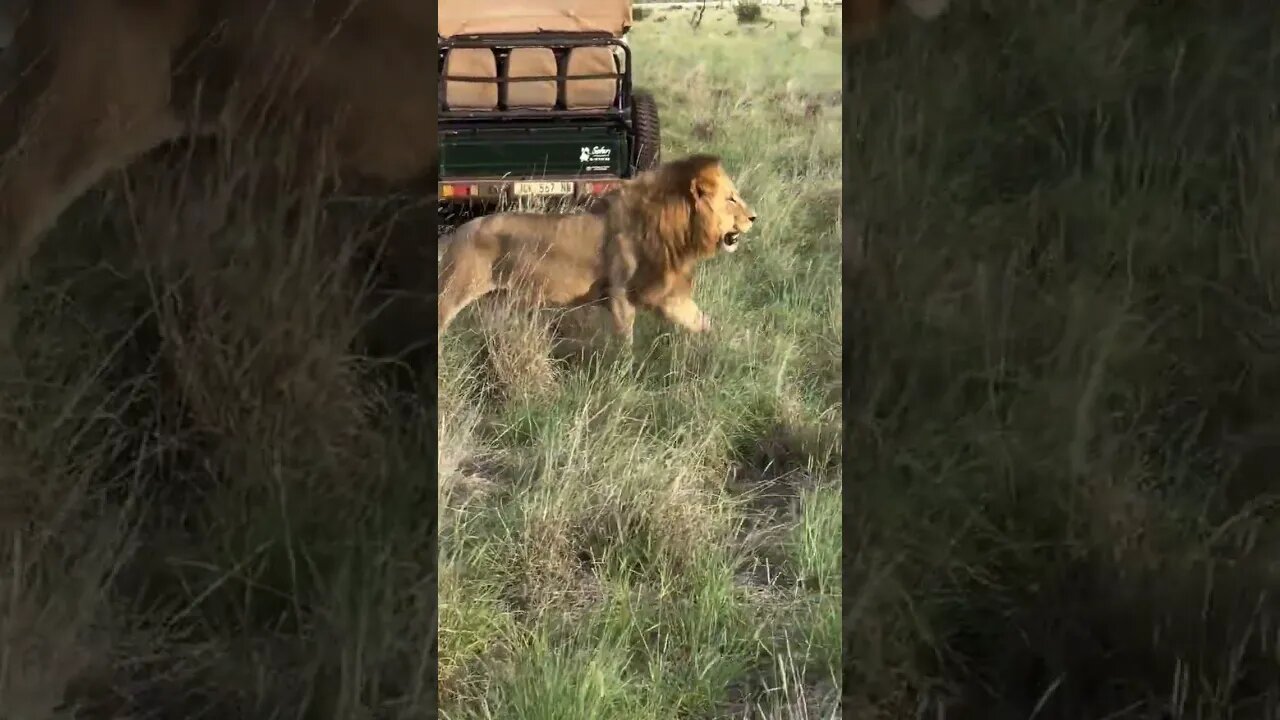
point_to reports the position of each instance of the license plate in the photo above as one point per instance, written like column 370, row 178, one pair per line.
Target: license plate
column 543, row 188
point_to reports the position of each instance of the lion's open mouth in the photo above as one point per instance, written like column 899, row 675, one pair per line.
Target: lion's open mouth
column 730, row 241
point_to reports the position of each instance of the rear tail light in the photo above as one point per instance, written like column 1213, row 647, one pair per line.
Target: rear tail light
column 600, row 188
column 456, row 190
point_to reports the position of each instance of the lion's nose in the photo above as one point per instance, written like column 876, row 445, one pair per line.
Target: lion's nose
column 752, row 218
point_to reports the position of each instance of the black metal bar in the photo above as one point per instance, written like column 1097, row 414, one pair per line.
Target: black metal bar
column 510, row 40
column 504, row 65
column 493, row 115
column 531, row 78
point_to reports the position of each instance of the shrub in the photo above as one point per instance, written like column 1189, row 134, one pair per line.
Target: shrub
column 748, row 12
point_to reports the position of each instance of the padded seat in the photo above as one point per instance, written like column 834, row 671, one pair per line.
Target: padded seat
column 471, row 95
column 596, row 93
column 531, row 94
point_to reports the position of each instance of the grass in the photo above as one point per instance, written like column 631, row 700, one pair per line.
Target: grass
column 661, row 538
column 1063, row 288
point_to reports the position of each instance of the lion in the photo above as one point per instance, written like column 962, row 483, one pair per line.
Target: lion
column 92, row 85
column 638, row 247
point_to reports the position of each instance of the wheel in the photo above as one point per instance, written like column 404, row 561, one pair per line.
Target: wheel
column 648, row 138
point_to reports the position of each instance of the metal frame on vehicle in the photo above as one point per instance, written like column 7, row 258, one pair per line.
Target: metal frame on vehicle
column 560, row 44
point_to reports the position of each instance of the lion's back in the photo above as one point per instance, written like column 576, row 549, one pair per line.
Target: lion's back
column 551, row 242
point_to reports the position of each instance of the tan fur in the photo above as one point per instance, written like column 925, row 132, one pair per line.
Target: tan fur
column 91, row 84
column 639, row 248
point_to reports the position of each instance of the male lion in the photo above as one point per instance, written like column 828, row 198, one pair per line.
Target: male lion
column 89, row 85
column 639, row 247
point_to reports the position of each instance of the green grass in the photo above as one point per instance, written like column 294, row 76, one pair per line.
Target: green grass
column 661, row 538
column 1060, row 393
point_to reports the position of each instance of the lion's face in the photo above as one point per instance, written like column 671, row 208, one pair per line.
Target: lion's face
column 723, row 207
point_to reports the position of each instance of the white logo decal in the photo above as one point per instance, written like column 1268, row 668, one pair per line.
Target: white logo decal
column 597, row 154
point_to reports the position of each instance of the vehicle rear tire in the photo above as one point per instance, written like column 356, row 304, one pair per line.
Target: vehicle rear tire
column 648, row 139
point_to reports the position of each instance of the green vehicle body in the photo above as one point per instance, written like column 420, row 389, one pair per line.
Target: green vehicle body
column 494, row 155
column 532, row 152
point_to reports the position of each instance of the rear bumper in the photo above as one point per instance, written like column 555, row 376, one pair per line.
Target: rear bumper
column 469, row 191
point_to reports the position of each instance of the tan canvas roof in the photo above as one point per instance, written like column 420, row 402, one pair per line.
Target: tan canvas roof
column 484, row 17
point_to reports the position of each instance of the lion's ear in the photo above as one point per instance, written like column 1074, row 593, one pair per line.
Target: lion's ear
column 699, row 188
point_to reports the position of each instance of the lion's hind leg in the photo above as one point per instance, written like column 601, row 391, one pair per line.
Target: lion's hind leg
column 463, row 280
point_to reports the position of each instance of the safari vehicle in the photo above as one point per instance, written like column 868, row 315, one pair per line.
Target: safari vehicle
column 536, row 101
